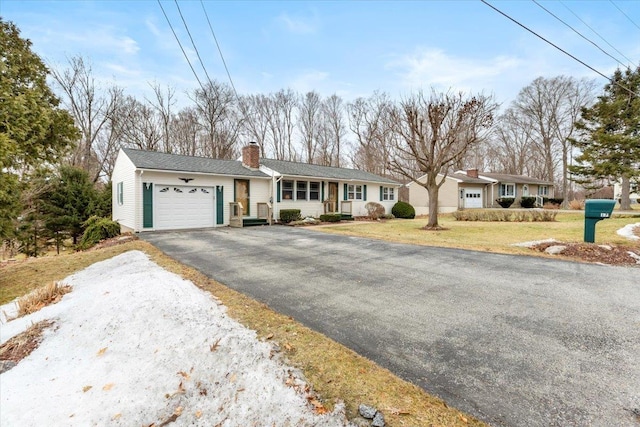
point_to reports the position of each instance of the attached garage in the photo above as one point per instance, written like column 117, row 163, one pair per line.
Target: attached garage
column 472, row 197
column 182, row 206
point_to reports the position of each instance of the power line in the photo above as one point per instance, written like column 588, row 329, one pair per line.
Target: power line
column 220, row 51
column 557, row 47
column 578, row 32
column 180, row 44
column 596, row 33
column 627, row 16
column 192, row 42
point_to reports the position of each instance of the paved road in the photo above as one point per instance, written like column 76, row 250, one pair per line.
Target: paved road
column 513, row 340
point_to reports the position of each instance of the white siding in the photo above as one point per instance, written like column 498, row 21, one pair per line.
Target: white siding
column 447, row 197
column 125, row 172
column 259, row 189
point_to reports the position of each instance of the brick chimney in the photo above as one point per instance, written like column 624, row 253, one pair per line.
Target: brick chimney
column 251, row 155
column 472, row 173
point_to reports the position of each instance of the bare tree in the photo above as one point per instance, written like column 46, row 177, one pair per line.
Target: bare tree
column 140, row 126
column 369, row 120
column 436, row 130
column 512, row 145
column 90, row 109
column 309, row 117
column 332, row 131
column 184, row 132
column 281, row 110
column 219, row 118
column 162, row 104
column 256, row 126
column 549, row 108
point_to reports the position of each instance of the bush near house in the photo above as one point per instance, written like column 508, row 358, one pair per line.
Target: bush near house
column 334, row 217
column 374, row 210
column 288, row 215
column 527, row 202
column 505, row 202
column 552, row 200
column 97, row 229
column 403, row 210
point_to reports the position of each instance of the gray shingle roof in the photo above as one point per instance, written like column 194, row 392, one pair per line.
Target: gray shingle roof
column 316, row 171
column 175, row 162
column 515, row 179
column 468, row 179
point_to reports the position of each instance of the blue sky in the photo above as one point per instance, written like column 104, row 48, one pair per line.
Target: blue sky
column 346, row 47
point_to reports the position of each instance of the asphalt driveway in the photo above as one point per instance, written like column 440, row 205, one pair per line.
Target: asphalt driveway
column 513, row 340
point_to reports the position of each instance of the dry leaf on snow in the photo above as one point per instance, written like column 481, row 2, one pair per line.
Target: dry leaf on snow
column 108, row 387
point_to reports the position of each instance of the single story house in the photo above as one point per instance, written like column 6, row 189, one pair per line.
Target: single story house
column 473, row 189
column 160, row 191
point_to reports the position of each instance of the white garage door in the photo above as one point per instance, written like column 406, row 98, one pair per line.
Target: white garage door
column 472, row 198
column 182, row 206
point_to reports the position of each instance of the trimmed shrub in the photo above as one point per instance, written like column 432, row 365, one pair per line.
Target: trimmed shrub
column 403, row 210
column 333, row 217
column 505, row 202
column 374, row 210
column 97, row 229
column 288, row 215
column 504, row 216
column 527, row 202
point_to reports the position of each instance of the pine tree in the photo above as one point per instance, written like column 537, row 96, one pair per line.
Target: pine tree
column 609, row 132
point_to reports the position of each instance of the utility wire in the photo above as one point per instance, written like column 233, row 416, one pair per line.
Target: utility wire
column 557, row 47
column 220, row 50
column 192, row 42
column 595, row 32
column 180, row 44
column 578, row 33
column 622, row 11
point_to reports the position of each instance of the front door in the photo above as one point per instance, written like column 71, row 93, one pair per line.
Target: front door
column 333, row 197
column 242, row 194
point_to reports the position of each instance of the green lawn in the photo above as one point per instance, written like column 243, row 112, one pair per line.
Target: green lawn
column 488, row 236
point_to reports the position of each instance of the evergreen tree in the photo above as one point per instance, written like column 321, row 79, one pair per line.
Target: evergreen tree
column 69, row 202
column 609, row 138
column 33, row 130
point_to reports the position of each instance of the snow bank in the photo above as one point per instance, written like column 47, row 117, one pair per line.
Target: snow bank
column 627, row 231
column 136, row 345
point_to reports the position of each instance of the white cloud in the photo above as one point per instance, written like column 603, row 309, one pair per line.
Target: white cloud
column 433, row 67
column 309, row 80
column 298, row 24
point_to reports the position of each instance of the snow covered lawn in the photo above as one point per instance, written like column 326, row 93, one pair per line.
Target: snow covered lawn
column 135, row 345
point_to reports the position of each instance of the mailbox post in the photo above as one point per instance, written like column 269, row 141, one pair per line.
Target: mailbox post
column 594, row 211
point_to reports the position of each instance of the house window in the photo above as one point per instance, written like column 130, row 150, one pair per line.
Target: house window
column 507, row 190
column 314, row 191
column 543, row 190
column 388, row 193
column 354, row 192
column 301, row 190
column 120, row 191
column 287, row 190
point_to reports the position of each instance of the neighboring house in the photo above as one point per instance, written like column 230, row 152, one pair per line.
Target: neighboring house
column 634, row 196
column 472, row 189
column 159, row 191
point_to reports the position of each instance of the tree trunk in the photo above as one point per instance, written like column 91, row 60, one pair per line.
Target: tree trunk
column 432, row 190
column 625, row 201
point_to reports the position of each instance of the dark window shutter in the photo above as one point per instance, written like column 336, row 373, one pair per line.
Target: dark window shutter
column 345, row 192
column 278, row 192
column 381, row 193
column 364, row 193
column 322, row 186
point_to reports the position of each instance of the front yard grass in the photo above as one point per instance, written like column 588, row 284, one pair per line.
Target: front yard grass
column 489, row 236
column 334, row 371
